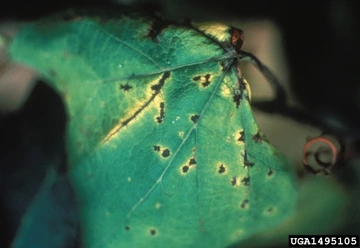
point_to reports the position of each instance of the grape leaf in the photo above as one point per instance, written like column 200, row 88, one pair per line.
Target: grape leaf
column 162, row 145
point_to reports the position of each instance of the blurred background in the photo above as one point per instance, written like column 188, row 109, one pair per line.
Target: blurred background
column 311, row 46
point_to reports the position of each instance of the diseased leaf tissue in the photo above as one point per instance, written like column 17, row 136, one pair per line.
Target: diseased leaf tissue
column 163, row 148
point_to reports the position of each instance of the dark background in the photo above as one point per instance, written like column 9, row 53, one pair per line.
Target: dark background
column 321, row 40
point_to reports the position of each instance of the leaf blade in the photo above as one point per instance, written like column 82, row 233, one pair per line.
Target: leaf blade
column 160, row 158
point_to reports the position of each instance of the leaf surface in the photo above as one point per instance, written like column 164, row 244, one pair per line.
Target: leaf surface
column 163, row 147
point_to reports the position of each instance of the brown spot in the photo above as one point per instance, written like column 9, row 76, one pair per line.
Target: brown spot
column 243, row 204
column 247, row 163
column 233, row 181
column 156, row 148
column 197, row 78
column 257, row 138
column 270, row 209
column 127, row 228
column 157, row 87
column 270, row 172
column 246, row 181
column 207, row 82
column 237, row 99
column 222, row 169
column 204, row 80
column 242, row 136
column 165, row 153
column 152, row 231
column 192, row 161
column 185, row 168
column 126, row 87
column 160, row 118
column 194, row 118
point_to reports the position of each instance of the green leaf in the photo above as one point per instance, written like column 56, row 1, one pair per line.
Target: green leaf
column 314, row 215
column 162, row 143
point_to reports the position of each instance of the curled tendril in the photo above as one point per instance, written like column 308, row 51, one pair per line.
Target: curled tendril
column 327, row 145
column 279, row 105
